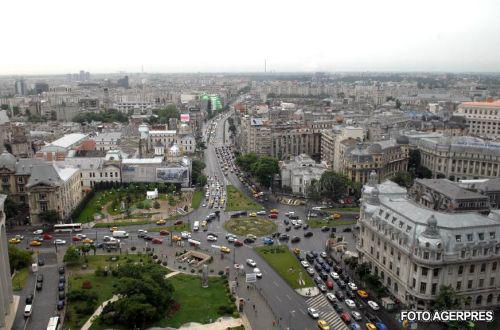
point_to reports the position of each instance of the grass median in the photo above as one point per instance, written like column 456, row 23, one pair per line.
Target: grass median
column 197, row 198
column 237, row 201
column 20, row 279
column 285, row 264
column 250, row 225
column 176, row 228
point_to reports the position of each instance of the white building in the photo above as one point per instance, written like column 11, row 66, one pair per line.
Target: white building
column 414, row 250
column 94, row 170
column 299, row 172
column 107, row 141
column 59, row 148
column 482, row 118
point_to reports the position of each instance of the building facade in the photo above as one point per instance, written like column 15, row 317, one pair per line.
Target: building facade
column 482, row 118
column 415, row 250
column 6, row 294
column 298, row 173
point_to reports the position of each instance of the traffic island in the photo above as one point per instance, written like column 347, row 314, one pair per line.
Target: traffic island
column 250, row 225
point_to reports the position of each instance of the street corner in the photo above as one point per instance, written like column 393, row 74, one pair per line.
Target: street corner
column 308, row 292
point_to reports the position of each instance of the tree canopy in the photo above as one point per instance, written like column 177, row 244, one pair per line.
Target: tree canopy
column 108, row 116
column 18, row 258
column 447, row 299
column 403, row 179
column 162, row 116
column 263, row 168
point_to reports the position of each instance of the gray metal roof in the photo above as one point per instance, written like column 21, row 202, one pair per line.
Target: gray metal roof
column 449, row 189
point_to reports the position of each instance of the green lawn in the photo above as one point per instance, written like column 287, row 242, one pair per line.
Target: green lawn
column 182, row 227
column 122, row 223
column 197, row 198
column 96, row 261
column 315, row 223
column 19, row 280
column 197, row 304
column 342, row 209
column 250, row 225
column 285, row 264
column 237, row 201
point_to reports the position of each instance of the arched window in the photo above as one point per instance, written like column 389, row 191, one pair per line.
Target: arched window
column 479, row 300
column 489, row 299
column 468, row 300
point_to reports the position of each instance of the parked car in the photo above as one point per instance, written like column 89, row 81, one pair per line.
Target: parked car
column 61, row 270
column 29, row 299
column 373, row 305
column 61, row 295
column 39, row 286
column 60, row 286
column 308, row 234
column 60, row 304
column 295, row 239
column 39, row 278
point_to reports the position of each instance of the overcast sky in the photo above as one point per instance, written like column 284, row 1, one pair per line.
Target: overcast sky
column 56, row 36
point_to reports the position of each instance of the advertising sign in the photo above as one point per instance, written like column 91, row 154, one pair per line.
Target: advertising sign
column 185, row 117
column 176, row 174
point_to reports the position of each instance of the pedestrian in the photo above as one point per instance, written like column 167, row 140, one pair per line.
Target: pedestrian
column 253, row 306
column 248, row 287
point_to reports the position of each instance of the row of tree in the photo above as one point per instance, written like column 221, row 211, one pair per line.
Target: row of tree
column 333, row 186
column 108, row 116
column 197, row 176
column 262, row 168
column 162, row 116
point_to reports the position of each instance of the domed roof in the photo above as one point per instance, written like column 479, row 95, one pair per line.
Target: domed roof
column 402, row 139
column 7, row 160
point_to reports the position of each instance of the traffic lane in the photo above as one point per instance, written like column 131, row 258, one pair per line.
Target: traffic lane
column 28, row 289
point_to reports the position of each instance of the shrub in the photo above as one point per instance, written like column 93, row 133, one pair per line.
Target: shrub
column 100, row 272
column 87, row 284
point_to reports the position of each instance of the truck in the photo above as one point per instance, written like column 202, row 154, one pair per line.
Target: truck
column 120, row 234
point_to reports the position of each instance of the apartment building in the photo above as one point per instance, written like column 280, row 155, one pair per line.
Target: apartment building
column 414, row 250
column 461, row 157
column 482, row 118
column 107, row 141
column 254, row 136
column 94, row 170
column 330, row 141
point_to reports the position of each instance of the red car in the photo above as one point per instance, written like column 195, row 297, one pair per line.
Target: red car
column 164, row 233
column 178, row 222
column 76, row 238
column 329, row 284
column 157, row 241
column 238, row 243
column 47, row 236
column 345, row 317
column 273, row 216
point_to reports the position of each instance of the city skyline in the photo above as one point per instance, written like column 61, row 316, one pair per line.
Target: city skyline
column 182, row 37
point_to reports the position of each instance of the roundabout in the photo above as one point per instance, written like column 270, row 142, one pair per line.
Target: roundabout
column 248, row 225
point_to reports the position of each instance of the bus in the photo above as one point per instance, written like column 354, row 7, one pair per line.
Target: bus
column 53, row 323
column 67, row 227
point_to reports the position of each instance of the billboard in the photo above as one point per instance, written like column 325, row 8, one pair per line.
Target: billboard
column 173, row 175
column 185, row 117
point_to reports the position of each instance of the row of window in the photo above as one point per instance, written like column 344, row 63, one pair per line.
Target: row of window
column 470, row 237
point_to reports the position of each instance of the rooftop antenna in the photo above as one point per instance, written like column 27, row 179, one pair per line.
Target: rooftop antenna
column 265, row 65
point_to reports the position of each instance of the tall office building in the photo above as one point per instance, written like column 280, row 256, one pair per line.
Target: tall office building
column 21, row 88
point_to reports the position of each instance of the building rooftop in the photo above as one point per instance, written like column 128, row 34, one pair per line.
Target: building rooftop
column 495, row 103
column 449, row 189
column 68, row 140
column 131, row 161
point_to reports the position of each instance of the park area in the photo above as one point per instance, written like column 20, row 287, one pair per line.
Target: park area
column 286, row 265
column 237, row 201
column 250, row 225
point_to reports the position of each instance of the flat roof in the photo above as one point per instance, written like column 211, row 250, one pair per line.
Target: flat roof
column 142, row 161
column 68, row 140
column 495, row 103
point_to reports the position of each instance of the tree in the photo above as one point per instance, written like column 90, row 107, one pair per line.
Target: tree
column 447, row 299
column 108, row 116
column 72, row 256
column 334, row 185
column 156, row 205
column 313, row 192
column 440, row 176
column 246, row 161
column 18, row 258
column 50, row 216
column 403, row 179
column 162, row 116
column 264, row 170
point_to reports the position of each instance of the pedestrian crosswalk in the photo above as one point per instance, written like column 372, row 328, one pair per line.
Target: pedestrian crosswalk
column 326, row 312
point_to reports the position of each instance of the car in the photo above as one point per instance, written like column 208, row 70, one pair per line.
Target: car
column 325, row 229
column 288, row 228
column 231, row 239
column 323, row 275
column 252, row 236
column 329, row 261
column 112, row 229
column 238, row 243
column 329, row 284
column 350, row 294
column 225, row 249
column 352, row 286
column 19, row 237
column 178, row 222
column 350, row 303
column 38, row 238
column 268, row 241
column 60, row 286
column 313, row 312
column 35, row 243
column 41, row 261
column 284, row 237
column 251, row 262
column 334, row 275
column 311, row 271
column 355, row 326
column 61, row 270
column 337, row 308
column 157, row 240
column 362, row 294
column 185, row 234
column 373, row 305
column 252, row 215
column 380, row 326
column 370, row 326
column 317, row 267
column 305, row 264
column 39, row 286
column 261, row 213
column 14, row 240
column 88, row 241
column 345, row 317
column 176, row 238
column 372, row 318
column 29, row 299
column 325, row 266
column 323, row 254
column 60, row 304
column 62, row 279
column 164, row 232
column 38, row 232
column 341, row 284
column 59, row 241
column 47, row 236
column 331, row 297
column 322, row 287
column 317, row 280
column 257, row 272
column 356, row 315
column 148, row 237
column 323, row 325
column 308, row 234
column 76, row 239
column 161, row 222
column 305, row 227
column 340, row 295
column 248, row 240
column 211, row 238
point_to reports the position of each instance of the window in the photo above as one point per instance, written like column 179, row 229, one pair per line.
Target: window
column 435, row 272
column 481, row 282
column 459, row 285
column 492, row 281
column 434, row 288
column 462, row 254
column 469, row 284
column 392, row 251
column 483, row 268
column 415, row 284
column 438, row 256
column 460, row 270
column 415, row 268
column 423, row 287
column 494, row 266
column 474, row 252
column 492, row 235
column 481, row 236
column 397, row 271
column 426, row 255
column 472, row 269
column 424, row 271
column 458, row 238
column 469, row 237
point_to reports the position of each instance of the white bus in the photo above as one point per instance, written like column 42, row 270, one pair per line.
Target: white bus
column 53, row 323
column 67, row 227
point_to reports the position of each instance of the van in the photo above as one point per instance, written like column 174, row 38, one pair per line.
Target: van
column 120, row 234
column 27, row 310
column 196, row 226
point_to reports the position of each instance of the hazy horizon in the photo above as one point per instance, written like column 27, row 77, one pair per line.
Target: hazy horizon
column 192, row 36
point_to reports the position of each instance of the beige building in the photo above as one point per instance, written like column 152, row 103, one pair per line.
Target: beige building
column 254, row 137
column 482, row 118
column 330, row 143
column 7, row 312
column 415, row 250
column 358, row 160
column 460, row 157
column 53, row 187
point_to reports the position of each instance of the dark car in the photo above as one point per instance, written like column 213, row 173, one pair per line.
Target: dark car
column 329, row 261
column 318, row 267
column 62, row 279
column 315, row 254
column 337, row 269
column 305, row 227
column 178, row 222
column 62, row 270
column 29, row 299
column 326, row 268
column 372, row 318
column 350, row 294
column 41, row 262
column 286, row 221
column 60, row 286
column 249, row 240
column 310, row 256
column 323, row 275
column 99, row 245
column 341, row 284
column 347, row 230
column 39, row 278
column 318, row 280
column 308, row 234
column 61, row 295
column 293, row 217
column 359, row 303
column 39, row 286
column 295, row 239
column 340, row 296
column 337, row 308
column 284, row 237
column 60, row 304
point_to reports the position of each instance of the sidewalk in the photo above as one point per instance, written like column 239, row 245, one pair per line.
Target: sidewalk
column 98, row 312
column 262, row 316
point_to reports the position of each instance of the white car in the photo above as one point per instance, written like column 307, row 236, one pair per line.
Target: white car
column 299, row 222
column 81, row 236
column 261, row 213
column 185, row 234
column 204, row 205
column 211, row 238
column 373, row 305
column 293, row 222
column 142, row 231
column 331, row 297
column 231, row 239
column 59, row 242
column 257, row 272
column 38, row 232
column 350, row 303
column 323, row 254
column 305, row 264
column 356, row 316
column 251, row 262
column 334, row 275
column 352, row 286
column 313, row 312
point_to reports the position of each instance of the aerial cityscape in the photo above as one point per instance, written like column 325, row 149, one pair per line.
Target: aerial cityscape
column 196, row 166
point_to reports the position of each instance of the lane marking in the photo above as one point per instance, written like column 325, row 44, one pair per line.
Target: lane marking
column 289, row 298
column 277, row 285
column 278, row 298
